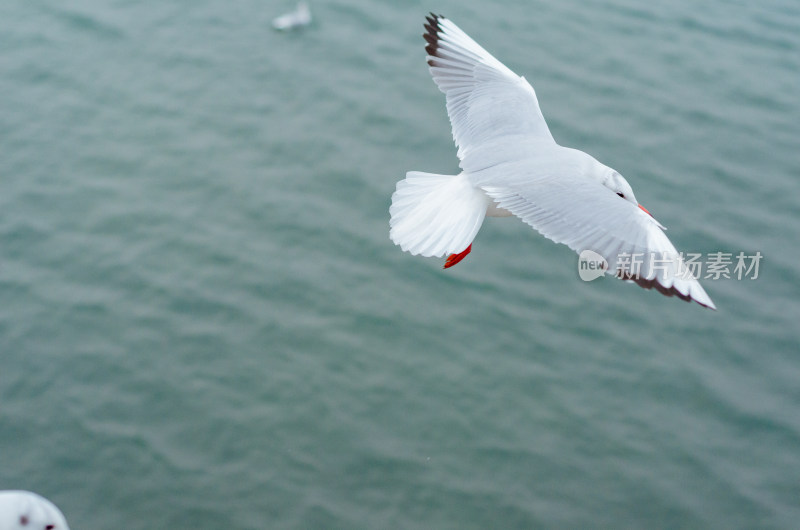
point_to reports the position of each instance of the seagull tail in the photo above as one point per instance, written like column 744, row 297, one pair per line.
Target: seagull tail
column 434, row 215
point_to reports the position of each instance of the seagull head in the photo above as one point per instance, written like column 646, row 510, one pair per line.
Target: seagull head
column 617, row 183
column 24, row 510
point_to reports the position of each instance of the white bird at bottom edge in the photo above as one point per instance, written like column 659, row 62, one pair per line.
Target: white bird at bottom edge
column 24, row 510
column 511, row 165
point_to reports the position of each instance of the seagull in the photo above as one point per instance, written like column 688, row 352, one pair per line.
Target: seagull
column 298, row 18
column 24, row 510
column 512, row 166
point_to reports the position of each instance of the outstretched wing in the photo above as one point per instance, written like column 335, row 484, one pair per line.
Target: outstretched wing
column 485, row 99
column 584, row 215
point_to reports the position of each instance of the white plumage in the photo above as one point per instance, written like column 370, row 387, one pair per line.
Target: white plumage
column 299, row 18
column 23, row 510
column 511, row 165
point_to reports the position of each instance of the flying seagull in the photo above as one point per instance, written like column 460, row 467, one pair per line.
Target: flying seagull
column 511, row 165
column 23, row 510
column 299, row 18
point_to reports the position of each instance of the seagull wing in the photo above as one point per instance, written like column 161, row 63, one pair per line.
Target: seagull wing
column 485, row 99
column 585, row 215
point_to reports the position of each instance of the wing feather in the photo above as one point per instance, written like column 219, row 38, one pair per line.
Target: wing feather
column 485, row 99
column 585, row 215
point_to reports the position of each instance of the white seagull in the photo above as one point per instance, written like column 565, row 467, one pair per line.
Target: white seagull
column 23, row 510
column 511, row 165
column 298, row 18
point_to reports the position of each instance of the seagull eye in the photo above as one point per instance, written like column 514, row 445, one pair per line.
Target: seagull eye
column 621, row 195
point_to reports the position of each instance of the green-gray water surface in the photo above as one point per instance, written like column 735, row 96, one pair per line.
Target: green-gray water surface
column 204, row 324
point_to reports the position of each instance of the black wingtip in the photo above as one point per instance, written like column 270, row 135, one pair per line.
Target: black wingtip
column 433, row 21
column 654, row 284
column 431, row 34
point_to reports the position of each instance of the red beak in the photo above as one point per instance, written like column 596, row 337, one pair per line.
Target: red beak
column 645, row 210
